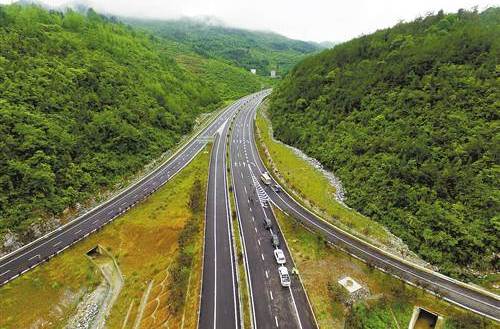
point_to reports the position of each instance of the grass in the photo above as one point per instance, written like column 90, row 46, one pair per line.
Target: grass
column 310, row 185
column 391, row 300
column 145, row 243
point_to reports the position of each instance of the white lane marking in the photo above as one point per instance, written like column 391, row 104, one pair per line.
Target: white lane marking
column 77, row 232
column 253, row 219
column 255, row 229
column 262, row 256
column 258, row 241
column 245, row 188
column 36, row 256
column 57, row 243
column 95, row 222
column 104, row 205
column 241, row 173
column 215, row 234
column 2, row 274
column 295, row 307
column 276, row 320
column 389, row 262
column 271, row 294
column 267, row 275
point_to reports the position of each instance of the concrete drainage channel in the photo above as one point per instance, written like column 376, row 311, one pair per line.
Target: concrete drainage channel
column 424, row 319
column 95, row 307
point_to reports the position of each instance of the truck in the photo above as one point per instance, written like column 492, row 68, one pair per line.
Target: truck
column 265, row 178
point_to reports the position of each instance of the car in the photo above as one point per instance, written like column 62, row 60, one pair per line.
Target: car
column 280, row 256
column 276, row 188
column 267, row 224
column 275, row 240
column 284, row 276
column 266, row 179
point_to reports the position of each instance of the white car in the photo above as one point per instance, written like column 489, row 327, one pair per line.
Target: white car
column 280, row 256
column 284, row 277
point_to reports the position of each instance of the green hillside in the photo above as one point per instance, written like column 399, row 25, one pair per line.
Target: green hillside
column 264, row 51
column 86, row 101
column 408, row 118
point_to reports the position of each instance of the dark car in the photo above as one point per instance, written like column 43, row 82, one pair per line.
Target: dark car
column 267, row 224
column 276, row 188
column 275, row 241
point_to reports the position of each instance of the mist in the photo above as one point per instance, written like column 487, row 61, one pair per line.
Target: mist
column 313, row 20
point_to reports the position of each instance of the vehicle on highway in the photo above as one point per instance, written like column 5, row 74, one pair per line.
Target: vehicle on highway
column 284, row 276
column 276, row 188
column 267, row 224
column 280, row 256
column 275, row 240
column 265, row 178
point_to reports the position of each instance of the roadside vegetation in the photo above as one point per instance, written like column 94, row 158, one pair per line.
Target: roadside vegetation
column 85, row 102
column 407, row 117
column 390, row 302
column 157, row 244
column 309, row 184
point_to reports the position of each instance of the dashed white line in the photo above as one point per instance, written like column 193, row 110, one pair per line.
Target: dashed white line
column 271, row 294
column 262, row 256
column 77, row 232
column 36, row 256
column 5, row 272
column 276, row 320
column 255, row 229
column 267, row 277
column 57, row 243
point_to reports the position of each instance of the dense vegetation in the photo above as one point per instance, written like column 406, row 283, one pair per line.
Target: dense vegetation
column 264, row 51
column 408, row 118
column 84, row 102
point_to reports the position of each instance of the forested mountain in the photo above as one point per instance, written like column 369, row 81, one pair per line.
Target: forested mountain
column 86, row 101
column 264, row 51
column 408, row 118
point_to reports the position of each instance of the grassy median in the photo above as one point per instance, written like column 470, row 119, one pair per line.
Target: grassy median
column 390, row 302
column 158, row 243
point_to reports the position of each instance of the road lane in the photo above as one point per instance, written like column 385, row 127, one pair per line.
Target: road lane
column 219, row 299
column 449, row 289
column 21, row 260
column 272, row 305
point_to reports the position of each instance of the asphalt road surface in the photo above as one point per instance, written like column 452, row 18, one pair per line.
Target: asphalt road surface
column 219, row 299
column 447, row 288
column 272, row 306
column 23, row 259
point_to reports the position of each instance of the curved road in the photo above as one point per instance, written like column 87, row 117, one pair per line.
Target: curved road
column 449, row 289
column 42, row 249
column 288, row 309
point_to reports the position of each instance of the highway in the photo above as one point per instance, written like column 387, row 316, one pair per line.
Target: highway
column 449, row 289
column 219, row 296
column 42, row 249
column 272, row 306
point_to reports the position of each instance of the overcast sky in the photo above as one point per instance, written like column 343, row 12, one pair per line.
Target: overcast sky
column 316, row 20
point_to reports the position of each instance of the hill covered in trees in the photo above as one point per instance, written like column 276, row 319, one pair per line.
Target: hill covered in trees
column 86, row 101
column 264, row 51
column 408, row 118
